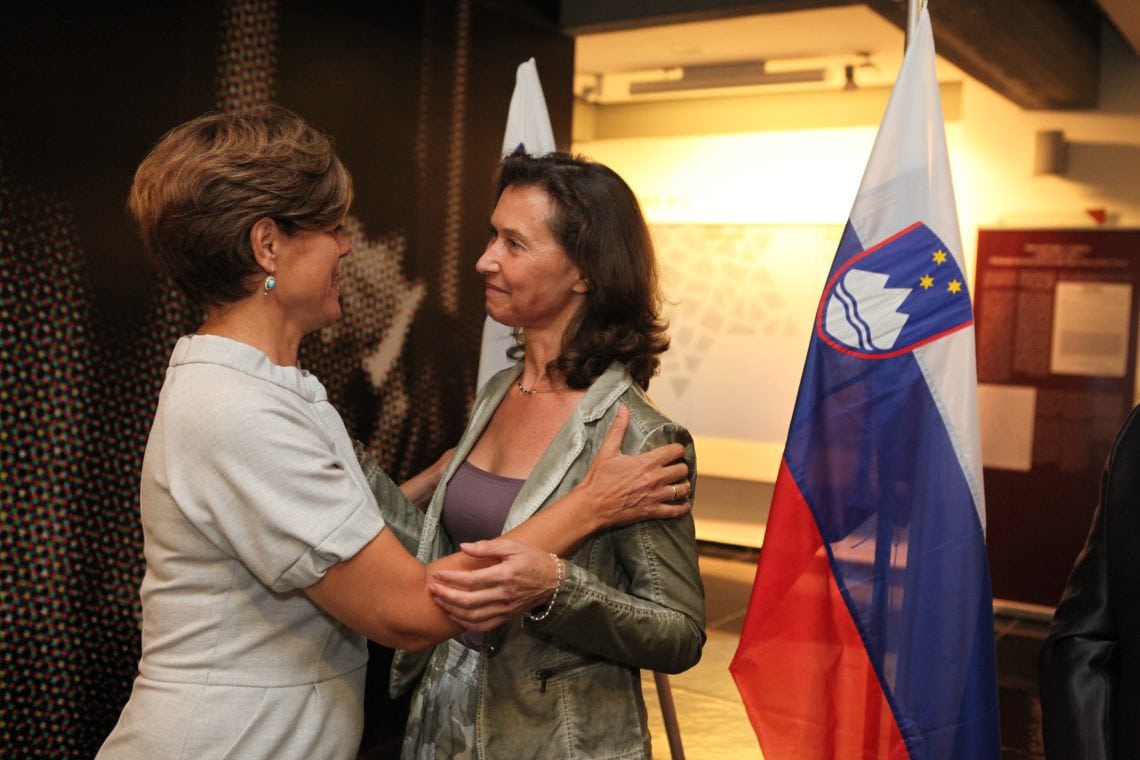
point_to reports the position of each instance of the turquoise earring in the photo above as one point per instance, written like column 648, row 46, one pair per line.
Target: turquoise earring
column 270, row 283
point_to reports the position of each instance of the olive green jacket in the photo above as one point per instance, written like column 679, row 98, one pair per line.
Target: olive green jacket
column 569, row 685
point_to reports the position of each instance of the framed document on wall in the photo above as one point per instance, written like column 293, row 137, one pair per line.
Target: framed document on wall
column 1056, row 316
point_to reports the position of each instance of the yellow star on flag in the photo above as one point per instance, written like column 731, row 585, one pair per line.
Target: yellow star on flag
column 955, row 286
column 940, row 257
column 926, row 282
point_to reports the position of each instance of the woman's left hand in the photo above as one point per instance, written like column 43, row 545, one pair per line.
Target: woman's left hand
column 521, row 578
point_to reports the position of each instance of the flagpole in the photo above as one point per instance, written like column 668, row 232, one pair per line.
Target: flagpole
column 913, row 8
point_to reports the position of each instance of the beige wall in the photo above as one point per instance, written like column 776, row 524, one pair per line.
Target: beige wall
column 798, row 158
column 1104, row 154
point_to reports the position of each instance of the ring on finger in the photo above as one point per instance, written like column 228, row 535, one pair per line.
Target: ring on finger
column 674, row 491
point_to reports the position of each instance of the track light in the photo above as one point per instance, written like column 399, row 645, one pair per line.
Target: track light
column 742, row 77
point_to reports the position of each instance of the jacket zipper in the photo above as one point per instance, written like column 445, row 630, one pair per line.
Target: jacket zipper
column 545, row 674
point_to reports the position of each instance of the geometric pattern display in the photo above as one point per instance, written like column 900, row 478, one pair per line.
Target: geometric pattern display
column 77, row 393
column 79, row 378
column 45, row 442
column 247, row 58
column 740, row 300
column 359, row 358
column 453, row 199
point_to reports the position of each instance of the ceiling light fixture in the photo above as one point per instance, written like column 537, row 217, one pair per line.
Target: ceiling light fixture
column 719, row 75
column 730, row 78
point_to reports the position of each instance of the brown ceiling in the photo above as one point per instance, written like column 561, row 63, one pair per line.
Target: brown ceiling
column 1041, row 54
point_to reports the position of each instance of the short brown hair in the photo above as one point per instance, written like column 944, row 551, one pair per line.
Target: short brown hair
column 598, row 222
column 199, row 191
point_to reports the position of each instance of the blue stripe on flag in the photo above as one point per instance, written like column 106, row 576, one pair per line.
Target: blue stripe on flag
column 872, row 457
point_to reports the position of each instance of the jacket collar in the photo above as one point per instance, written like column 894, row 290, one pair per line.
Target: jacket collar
column 567, row 446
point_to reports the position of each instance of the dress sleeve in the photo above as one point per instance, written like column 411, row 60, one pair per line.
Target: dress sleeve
column 659, row 622
column 265, row 477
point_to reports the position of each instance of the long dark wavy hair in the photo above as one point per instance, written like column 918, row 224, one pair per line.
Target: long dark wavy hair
column 598, row 222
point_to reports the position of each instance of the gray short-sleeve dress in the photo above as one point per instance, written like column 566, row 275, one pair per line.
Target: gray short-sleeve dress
column 250, row 491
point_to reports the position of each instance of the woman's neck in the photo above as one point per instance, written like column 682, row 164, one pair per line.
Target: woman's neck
column 541, row 350
column 256, row 324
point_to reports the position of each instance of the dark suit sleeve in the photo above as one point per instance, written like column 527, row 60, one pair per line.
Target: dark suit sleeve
column 1079, row 668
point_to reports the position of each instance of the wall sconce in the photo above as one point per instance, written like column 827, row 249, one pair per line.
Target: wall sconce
column 863, row 61
column 1051, row 153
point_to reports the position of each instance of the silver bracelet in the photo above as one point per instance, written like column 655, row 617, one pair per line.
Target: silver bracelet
column 560, row 568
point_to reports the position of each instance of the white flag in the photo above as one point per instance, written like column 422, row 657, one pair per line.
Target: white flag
column 528, row 126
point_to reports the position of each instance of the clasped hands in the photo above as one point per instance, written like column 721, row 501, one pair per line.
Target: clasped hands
column 618, row 489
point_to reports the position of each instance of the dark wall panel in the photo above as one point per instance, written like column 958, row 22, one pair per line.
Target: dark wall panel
column 415, row 95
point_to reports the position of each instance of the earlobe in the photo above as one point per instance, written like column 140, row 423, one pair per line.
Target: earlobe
column 581, row 286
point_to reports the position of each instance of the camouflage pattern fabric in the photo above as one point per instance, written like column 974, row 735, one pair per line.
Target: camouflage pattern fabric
column 442, row 718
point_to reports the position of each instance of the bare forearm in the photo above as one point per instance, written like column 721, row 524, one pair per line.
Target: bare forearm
column 419, row 488
column 382, row 593
column 557, row 529
column 560, row 527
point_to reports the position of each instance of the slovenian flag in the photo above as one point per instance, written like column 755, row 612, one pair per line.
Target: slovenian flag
column 870, row 633
column 528, row 127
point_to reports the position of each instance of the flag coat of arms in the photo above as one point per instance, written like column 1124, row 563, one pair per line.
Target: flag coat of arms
column 528, row 128
column 869, row 633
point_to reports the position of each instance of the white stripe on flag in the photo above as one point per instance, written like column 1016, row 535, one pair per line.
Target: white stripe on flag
column 908, row 179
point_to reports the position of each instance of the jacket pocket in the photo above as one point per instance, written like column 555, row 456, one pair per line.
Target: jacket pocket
column 584, row 690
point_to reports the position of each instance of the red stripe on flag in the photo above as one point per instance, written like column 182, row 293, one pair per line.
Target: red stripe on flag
column 801, row 668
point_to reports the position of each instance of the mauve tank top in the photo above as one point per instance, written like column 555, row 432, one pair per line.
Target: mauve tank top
column 476, row 504
column 475, row 507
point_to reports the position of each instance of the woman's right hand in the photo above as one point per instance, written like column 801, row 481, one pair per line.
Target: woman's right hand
column 621, row 489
